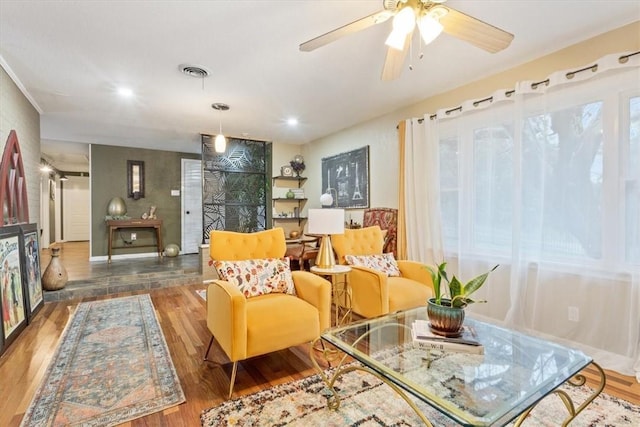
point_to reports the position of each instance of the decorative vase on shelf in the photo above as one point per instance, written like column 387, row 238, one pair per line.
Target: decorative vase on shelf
column 290, row 194
column 55, row 276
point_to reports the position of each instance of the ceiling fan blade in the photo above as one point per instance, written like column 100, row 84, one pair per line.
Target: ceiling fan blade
column 475, row 31
column 394, row 62
column 355, row 26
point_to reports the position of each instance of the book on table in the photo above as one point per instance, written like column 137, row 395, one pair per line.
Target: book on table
column 467, row 342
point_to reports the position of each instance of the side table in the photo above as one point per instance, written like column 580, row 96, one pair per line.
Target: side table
column 341, row 294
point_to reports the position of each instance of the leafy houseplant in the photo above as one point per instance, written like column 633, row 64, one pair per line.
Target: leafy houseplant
column 459, row 294
column 446, row 309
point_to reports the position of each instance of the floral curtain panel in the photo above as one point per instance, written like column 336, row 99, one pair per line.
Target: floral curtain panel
column 545, row 180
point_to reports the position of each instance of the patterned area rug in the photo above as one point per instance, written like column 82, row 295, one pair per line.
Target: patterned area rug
column 112, row 366
column 366, row 401
column 202, row 293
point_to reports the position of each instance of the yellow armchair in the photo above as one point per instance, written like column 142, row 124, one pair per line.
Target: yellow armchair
column 373, row 293
column 248, row 327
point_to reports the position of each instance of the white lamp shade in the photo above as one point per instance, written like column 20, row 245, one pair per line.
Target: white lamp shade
column 220, row 143
column 405, row 20
column 429, row 28
column 326, row 199
column 326, row 221
column 396, row 40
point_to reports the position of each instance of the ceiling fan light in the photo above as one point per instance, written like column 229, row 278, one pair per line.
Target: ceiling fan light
column 220, row 143
column 429, row 28
column 396, row 40
column 405, row 20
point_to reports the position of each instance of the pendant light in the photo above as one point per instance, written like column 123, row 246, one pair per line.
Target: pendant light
column 220, row 143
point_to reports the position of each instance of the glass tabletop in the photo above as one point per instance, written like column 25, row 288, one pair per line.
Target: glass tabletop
column 515, row 371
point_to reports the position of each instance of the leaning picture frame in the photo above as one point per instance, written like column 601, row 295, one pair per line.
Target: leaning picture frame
column 31, row 283
column 346, row 177
column 14, row 315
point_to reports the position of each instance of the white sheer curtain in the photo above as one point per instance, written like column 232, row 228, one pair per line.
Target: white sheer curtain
column 545, row 181
column 424, row 241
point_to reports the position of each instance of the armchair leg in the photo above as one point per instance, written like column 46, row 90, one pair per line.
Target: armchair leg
column 208, row 348
column 233, row 378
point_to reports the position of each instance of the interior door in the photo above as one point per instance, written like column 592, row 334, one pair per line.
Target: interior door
column 191, row 205
column 76, row 211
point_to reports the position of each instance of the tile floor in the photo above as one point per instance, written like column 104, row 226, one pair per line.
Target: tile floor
column 96, row 278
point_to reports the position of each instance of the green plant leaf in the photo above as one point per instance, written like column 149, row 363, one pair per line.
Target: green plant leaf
column 442, row 270
column 435, row 278
column 458, row 301
column 475, row 283
column 455, row 287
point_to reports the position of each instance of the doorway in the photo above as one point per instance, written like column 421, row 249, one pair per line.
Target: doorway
column 191, row 204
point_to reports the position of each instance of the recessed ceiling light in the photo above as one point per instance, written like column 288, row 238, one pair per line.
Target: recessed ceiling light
column 292, row 121
column 125, row 92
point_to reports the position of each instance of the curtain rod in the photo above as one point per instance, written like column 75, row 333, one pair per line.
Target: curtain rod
column 569, row 75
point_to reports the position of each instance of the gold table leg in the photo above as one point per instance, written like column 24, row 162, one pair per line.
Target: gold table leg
column 577, row 381
column 334, row 400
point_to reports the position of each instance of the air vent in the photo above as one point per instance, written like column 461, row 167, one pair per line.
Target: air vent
column 194, row 70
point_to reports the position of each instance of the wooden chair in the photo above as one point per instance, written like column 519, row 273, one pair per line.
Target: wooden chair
column 303, row 252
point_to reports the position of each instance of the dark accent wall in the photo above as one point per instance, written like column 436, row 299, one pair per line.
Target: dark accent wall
column 109, row 179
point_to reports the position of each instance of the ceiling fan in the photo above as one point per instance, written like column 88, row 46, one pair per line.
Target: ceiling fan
column 431, row 17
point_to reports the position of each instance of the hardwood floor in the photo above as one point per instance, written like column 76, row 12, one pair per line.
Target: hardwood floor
column 181, row 313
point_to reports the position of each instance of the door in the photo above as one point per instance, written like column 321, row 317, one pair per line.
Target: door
column 76, row 209
column 191, row 206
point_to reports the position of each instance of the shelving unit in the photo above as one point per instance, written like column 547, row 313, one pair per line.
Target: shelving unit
column 299, row 181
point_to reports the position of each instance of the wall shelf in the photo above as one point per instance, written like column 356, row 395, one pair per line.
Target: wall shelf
column 299, row 180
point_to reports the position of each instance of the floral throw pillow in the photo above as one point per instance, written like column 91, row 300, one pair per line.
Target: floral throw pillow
column 384, row 263
column 258, row 276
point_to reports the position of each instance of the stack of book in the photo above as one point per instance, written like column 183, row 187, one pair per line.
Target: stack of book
column 298, row 193
column 422, row 337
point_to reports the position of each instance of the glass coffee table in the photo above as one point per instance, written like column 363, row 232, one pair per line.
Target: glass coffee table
column 515, row 372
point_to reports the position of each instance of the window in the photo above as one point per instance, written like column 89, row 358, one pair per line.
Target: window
column 544, row 180
column 632, row 182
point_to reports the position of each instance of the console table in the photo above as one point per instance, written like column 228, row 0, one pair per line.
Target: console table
column 116, row 224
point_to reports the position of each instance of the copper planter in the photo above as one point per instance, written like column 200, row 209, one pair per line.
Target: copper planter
column 445, row 320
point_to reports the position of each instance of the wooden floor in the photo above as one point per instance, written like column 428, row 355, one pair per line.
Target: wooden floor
column 181, row 313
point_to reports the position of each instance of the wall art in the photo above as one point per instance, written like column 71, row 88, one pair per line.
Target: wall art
column 14, row 318
column 346, row 177
column 32, row 285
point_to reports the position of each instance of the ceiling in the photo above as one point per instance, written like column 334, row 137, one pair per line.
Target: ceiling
column 70, row 57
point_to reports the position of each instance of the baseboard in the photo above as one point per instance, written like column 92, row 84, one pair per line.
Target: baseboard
column 123, row 256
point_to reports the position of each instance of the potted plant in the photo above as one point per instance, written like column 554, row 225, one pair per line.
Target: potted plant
column 446, row 309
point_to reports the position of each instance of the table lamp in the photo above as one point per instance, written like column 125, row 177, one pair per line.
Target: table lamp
column 325, row 222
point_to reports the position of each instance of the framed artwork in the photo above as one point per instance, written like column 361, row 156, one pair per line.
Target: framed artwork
column 14, row 316
column 32, row 285
column 346, row 177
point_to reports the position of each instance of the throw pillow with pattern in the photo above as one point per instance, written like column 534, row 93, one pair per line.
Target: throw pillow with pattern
column 384, row 263
column 258, row 276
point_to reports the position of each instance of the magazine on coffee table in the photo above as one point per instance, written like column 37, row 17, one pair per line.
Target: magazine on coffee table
column 423, row 337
